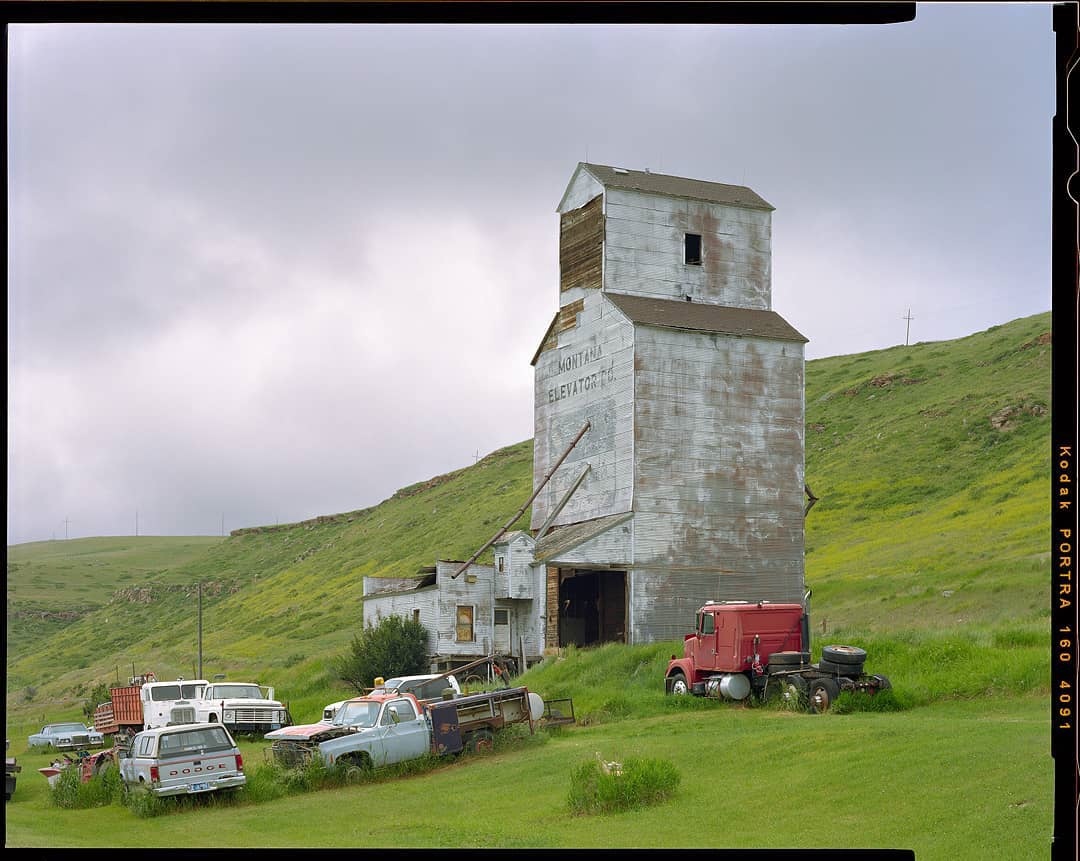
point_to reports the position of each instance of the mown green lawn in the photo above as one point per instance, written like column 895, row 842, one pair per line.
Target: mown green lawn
column 954, row 780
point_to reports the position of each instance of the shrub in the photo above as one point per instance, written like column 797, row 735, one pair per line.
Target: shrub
column 71, row 793
column 99, row 694
column 597, row 787
column 144, row 804
column 857, row 701
column 394, row 647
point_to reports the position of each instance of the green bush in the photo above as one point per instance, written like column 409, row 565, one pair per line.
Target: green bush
column 71, row 793
column 598, row 787
column 393, row 647
column 857, row 701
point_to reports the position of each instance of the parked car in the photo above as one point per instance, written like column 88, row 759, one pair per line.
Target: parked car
column 182, row 759
column 66, row 736
column 331, row 710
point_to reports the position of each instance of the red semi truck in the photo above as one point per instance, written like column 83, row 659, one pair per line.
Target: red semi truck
column 739, row 648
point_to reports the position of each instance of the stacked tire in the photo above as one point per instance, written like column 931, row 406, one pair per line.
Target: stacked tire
column 842, row 660
column 788, row 660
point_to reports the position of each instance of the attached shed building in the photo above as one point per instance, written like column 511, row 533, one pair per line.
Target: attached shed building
column 688, row 484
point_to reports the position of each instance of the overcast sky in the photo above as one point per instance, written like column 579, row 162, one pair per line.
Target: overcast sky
column 259, row 273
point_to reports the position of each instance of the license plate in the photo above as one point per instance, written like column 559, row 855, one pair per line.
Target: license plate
column 275, row 726
column 199, row 787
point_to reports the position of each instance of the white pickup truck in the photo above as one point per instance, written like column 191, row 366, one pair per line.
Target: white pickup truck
column 243, row 707
column 182, row 760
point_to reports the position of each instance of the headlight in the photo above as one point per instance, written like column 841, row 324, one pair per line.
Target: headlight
column 228, row 715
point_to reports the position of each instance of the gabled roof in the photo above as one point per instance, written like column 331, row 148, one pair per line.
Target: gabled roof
column 566, row 538
column 703, row 317
column 511, row 537
column 676, row 186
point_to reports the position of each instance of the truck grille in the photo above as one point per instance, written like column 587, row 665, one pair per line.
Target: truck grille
column 255, row 715
column 180, row 715
column 291, row 753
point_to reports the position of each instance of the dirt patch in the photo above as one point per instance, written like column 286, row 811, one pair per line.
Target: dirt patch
column 1007, row 418
column 1043, row 339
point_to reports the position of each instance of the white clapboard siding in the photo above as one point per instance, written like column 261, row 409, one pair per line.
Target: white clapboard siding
column 644, row 249
column 599, row 390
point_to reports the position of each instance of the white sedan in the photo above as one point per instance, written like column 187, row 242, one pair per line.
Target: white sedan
column 66, row 736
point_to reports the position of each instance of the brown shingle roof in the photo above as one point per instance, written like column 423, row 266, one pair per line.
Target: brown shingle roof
column 698, row 316
column 677, row 186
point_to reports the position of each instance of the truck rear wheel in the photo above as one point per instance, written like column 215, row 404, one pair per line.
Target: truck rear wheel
column 791, row 691
column 823, row 693
column 679, row 687
column 481, row 741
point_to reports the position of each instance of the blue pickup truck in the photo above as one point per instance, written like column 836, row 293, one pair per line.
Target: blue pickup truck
column 385, row 728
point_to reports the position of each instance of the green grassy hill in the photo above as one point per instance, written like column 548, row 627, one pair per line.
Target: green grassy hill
column 931, row 464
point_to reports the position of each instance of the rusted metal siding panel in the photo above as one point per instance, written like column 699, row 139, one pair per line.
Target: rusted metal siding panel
column 663, row 601
column 588, row 378
column 719, row 465
column 581, row 239
column 644, row 246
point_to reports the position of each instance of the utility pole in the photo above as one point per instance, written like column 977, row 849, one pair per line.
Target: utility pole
column 199, row 676
column 136, row 523
column 66, row 522
column 907, row 334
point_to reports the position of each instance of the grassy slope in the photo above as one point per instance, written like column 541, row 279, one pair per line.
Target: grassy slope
column 978, row 790
column 920, row 496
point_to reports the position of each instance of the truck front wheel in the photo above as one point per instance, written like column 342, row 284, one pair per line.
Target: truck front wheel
column 823, row 693
column 679, row 687
column 356, row 765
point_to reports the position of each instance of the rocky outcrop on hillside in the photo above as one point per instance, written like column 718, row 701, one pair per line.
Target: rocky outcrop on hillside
column 149, row 594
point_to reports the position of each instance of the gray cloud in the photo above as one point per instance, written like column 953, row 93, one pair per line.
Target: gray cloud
column 260, row 273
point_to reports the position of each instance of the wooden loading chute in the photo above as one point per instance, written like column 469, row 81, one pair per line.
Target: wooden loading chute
column 528, row 502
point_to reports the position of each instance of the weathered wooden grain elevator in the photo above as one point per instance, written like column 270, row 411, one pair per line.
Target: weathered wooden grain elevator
column 689, row 483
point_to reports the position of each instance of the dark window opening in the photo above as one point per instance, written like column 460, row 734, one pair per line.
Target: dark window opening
column 693, row 249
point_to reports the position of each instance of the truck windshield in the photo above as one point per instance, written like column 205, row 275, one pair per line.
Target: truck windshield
column 357, row 714
column 234, row 692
